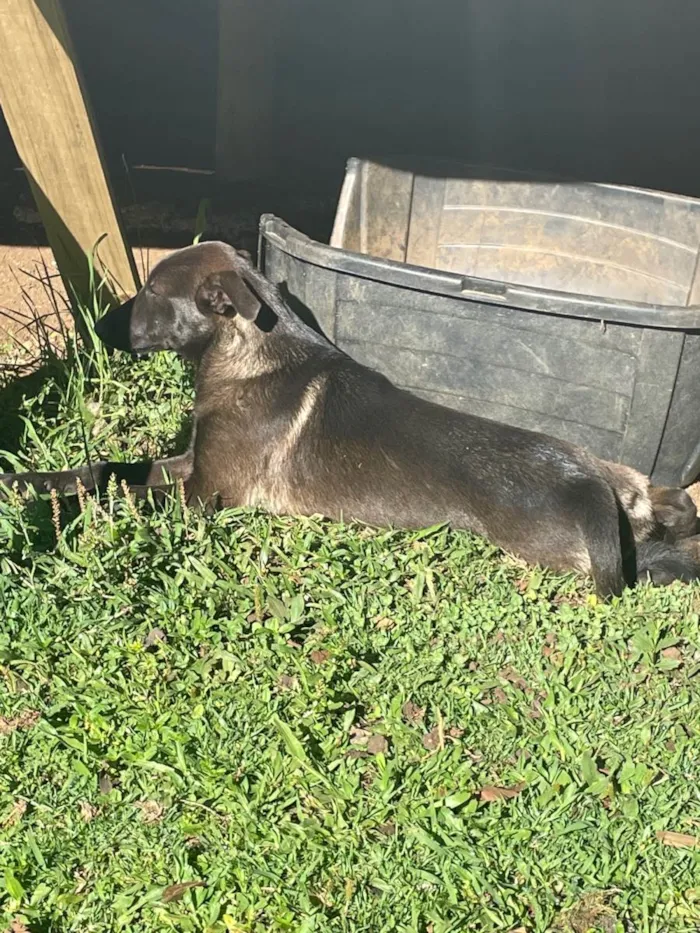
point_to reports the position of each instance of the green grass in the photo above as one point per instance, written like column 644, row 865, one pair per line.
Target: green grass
column 224, row 701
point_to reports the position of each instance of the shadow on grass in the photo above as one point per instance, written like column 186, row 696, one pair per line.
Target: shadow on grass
column 13, row 395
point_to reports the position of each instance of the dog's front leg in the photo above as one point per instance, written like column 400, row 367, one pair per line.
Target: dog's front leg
column 96, row 476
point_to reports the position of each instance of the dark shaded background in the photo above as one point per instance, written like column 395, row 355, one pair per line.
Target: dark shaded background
column 604, row 89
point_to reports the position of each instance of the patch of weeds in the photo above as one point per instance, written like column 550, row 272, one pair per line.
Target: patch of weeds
column 592, row 914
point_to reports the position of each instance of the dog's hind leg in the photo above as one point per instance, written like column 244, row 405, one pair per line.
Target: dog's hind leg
column 675, row 513
column 662, row 563
column 660, row 512
column 591, row 503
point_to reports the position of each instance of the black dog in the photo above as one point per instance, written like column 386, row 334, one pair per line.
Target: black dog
column 286, row 421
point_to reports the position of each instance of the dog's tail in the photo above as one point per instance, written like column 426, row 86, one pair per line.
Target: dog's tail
column 661, row 563
column 599, row 523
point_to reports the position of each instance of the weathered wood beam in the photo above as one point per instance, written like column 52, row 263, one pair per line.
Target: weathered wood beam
column 47, row 112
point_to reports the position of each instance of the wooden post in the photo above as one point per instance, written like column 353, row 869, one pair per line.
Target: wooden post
column 53, row 130
column 248, row 31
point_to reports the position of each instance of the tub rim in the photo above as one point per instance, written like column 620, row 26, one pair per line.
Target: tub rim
column 684, row 318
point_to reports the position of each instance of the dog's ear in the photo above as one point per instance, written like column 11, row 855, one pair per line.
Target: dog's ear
column 227, row 293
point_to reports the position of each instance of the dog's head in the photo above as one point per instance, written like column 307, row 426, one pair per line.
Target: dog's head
column 185, row 300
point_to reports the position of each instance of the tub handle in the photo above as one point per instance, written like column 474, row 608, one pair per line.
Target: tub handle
column 486, row 290
column 691, row 470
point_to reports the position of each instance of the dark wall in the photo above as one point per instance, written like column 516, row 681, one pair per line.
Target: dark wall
column 150, row 69
column 604, row 89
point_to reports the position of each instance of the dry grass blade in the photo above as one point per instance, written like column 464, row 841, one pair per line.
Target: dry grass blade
column 176, row 891
column 151, row 811
column 24, row 720
column 19, row 808
column 490, row 793
column 155, row 637
column 412, row 712
column 377, row 745
column 18, row 926
column 678, row 840
column 88, row 812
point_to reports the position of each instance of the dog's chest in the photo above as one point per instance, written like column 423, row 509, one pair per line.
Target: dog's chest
column 249, row 453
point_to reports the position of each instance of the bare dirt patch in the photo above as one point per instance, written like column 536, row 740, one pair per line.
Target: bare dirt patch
column 30, row 286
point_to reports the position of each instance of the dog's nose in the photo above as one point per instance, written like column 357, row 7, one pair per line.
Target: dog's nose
column 114, row 328
column 100, row 328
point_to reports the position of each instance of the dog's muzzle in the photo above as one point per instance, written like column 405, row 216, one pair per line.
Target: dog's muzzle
column 114, row 328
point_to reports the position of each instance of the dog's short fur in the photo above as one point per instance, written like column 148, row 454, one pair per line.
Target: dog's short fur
column 286, row 421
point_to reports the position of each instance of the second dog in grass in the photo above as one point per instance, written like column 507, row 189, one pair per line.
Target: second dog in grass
column 286, row 421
